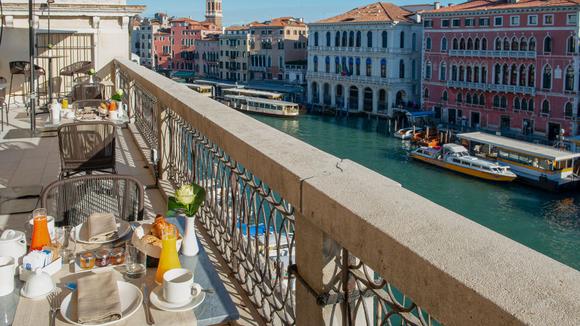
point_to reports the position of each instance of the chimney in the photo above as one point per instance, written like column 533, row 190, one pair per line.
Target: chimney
column 437, row 5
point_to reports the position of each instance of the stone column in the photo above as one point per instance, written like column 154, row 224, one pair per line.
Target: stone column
column 309, row 91
column 375, row 100
column 361, row 94
column 333, row 95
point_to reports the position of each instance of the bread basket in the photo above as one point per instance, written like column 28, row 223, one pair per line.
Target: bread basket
column 149, row 249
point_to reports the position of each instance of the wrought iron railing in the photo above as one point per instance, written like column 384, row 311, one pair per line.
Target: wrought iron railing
column 270, row 216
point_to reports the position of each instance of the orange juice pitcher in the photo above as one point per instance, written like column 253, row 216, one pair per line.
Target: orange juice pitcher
column 168, row 258
column 40, row 234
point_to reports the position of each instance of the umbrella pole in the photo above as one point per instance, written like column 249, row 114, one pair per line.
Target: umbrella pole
column 31, row 67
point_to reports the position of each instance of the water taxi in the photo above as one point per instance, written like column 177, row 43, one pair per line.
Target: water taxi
column 262, row 106
column 204, row 90
column 542, row 166
column 406, row 133
column 456, row 158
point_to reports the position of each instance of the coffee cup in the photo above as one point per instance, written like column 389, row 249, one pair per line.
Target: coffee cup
column 178, row 286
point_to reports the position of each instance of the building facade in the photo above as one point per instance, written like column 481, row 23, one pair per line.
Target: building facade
column 367, row 59
column 163, row 50
column 142, row 41
column 273, row 43
column 234, row 46
column 510, row 66
column 207, row 54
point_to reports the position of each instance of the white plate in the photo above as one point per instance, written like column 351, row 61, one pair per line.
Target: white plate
column 131, row 299
column 156, row 298
column 80, row 233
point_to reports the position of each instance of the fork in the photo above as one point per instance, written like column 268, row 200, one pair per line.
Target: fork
column 54, row 299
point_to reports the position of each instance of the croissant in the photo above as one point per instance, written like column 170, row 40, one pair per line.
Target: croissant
column 160, row 224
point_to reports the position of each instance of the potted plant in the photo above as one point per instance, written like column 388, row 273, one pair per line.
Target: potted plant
column 187, row 201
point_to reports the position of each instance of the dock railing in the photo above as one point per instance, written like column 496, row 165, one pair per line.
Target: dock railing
column 314, row 239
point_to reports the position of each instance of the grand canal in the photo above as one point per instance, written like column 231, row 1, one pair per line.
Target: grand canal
column 548, row 223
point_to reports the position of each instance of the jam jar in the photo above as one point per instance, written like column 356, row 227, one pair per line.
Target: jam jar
column 87, row 260
column 118, row 256
column 102, row 258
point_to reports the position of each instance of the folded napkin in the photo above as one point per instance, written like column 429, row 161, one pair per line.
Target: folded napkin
column 98, row 299
column 101, row 226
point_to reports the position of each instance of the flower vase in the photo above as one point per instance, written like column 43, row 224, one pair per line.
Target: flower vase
column 91, row 79
column 189, row 246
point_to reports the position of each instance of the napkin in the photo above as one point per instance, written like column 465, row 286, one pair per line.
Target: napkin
column 101, row 226
column 98, row 299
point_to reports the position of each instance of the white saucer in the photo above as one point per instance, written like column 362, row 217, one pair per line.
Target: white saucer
column 156, row 298
column 38, row 297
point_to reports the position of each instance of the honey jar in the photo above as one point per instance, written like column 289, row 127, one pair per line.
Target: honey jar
column 87, row 260
column 102, row 258
column 118, row 256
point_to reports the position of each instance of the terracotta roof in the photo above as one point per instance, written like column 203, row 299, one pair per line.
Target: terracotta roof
column 375, row 12
column 236, row 28
column 479, row 5
column 280, row 22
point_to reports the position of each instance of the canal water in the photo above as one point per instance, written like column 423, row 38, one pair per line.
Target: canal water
column 546, row 222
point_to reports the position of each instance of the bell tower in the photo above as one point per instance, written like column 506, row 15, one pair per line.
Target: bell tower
column 213, row 12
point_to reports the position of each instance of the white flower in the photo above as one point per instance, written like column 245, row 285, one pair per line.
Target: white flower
column 184, row 195
column 120, row 92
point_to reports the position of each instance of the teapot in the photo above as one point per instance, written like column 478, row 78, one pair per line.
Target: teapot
column 13, row 244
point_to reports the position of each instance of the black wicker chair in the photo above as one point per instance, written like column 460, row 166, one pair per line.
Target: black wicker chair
column 87, row 147
column 73, row 200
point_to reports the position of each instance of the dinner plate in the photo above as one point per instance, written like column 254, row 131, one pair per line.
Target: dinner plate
column 156, row 298
column 131, row 298
column 80, row 232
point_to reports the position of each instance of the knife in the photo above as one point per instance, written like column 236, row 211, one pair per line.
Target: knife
column 147, row 307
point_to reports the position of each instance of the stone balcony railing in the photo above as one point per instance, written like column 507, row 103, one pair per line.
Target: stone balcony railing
column 341, row 243
column 357, row 79
column 493, row 87
column 493, row 54
column 362, row 49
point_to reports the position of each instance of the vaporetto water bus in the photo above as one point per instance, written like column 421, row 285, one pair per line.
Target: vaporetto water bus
column 456, row 158
column 543, row 166
column 262, row 106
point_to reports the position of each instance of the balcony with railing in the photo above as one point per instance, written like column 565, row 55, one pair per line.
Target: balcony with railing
column 493, row 54
column 492, row 87
column 341, row 243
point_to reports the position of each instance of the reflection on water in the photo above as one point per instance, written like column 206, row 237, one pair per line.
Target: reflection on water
column 546, row 222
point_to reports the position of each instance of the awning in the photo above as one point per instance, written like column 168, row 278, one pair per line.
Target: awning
column 420, row 114
column 183, row 74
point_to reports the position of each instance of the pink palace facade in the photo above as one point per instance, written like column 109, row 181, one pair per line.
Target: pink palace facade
column 507, row 65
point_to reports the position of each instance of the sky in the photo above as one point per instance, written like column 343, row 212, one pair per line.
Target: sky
column 245, row 11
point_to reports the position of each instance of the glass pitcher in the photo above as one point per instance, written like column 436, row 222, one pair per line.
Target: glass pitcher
column 40, row 234
column 169, row 258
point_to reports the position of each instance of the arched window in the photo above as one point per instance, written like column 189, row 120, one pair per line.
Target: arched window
column 315, row 38
column 428, row 44
column 344, row 39
column 351, row 39
column 547, row 77
column 402, row 40
column 568, row 110
column 469, row 44
column 328, row 39
column 454, row 73
column 455, row 44
column 428, row 70
column 413, row 68
column 514, row 75
column 571, row 48
column 445, row 96
column 369, row 39
column 384, row 68
column 498, row 44
column 532, row 44
column 506, row 44
column 517, row 104
column 523, row 44
column 461, row 73
column 531, row 105
column 475, row 99
column 483, row 74
column 503, row 103
column 505, row 74
column 515, row 44
column 476, row 74
column 402, row 68
column 327, row 64
column 350, row 66
column 469, row 73
column 462, row 44
column 443, row 71
column 337, row 39
column 414, row 42
column 476, row 45
column 444, row 44
column 481, row 99
column 459, row 98
column 426, row 93
column 369, row 67
column 315, row 65
column 385, row 39
column 496, row 101
column 548, row 44
column 523, row 77
column 569, row 83
column 531, row 76
column 484, row 44
column 468, row 98
column 357, row 66
column 358, row 39
column 546, row 107
column 524, row 105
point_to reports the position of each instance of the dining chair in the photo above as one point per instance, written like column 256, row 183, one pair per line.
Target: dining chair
column 87, row 147
column 73, row 200
column 88, row 91
column 87, row 79
column 23, row 68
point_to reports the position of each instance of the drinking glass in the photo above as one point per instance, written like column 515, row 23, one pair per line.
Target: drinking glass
column 135, row 261
column 67, row 250
column 40, row 234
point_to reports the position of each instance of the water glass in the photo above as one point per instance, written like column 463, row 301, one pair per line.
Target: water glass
column 135, row 261
column 68, row 247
